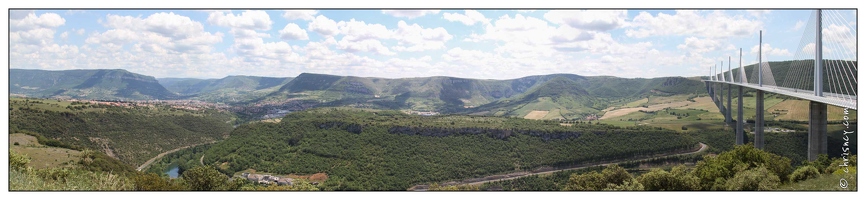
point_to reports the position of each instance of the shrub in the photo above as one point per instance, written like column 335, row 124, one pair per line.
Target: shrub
column 752, row 180
column 660, row 180
column 204, row 178
column 153, row 182
column 18, row 161
column 56, row 174
column 803, row 173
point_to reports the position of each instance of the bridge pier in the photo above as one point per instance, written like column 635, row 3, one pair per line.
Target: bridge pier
column 739, row 132
column 759, row 119
column 729, row 108
column 817, row 129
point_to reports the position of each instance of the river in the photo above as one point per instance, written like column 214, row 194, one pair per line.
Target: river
column 173, row 171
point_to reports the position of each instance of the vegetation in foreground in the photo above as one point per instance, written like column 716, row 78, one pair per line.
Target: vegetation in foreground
column 389, row 150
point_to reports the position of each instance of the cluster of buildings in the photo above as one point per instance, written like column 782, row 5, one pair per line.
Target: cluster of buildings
column 267, row 179
column 423, row 113
column 177, row 104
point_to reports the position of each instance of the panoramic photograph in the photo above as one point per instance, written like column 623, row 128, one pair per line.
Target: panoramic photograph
column 486, row 100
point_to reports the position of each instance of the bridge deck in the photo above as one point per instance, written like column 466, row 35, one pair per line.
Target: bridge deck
column 841, row 100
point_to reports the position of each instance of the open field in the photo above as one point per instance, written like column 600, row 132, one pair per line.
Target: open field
column 637, row 103
column 657, row 107
column 41, row 156
column 536, row 114
column 653, row 100
column 799, row 110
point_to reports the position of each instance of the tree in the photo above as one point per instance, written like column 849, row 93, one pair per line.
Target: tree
column 205, row 178
column 743, row 157
column 803, row 173
column 754, row 179
column 614, row 174
column 153, row 182
column 592, row 181
column 676, row 180
column 612, row 177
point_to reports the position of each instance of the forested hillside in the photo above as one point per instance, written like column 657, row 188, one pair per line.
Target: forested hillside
column 130, row 134
column 389, row 150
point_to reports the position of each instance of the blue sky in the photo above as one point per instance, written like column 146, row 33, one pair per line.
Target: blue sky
column 488, row 44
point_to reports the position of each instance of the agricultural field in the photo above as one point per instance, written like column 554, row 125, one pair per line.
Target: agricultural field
column 798, row 110
column 536, row 114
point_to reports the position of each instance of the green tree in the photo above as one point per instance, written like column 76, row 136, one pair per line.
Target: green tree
column 614, row 174
column 153, row 182
column 592, row 181
column 759, row 178
column 803, row 173
column 741, row 158
column 205, row 178
column 676, row 180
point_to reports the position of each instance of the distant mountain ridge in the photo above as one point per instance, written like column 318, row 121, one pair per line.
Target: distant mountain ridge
column 108, row 84
column 571, row 95
column 229, row 89
column 575, row 93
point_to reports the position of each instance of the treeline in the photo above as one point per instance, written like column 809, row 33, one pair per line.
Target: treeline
column 742, row 168
column 388, row 150
column 133, row 135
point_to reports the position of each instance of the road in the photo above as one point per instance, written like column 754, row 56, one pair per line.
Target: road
column 523, row 174
column 166, row 153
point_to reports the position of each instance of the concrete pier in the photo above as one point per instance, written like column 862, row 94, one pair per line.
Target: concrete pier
column 817, row 129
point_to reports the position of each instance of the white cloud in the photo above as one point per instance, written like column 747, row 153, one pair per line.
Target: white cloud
column 257, row 51
column 363, row 46
column 766, row 49
column 30, row 21
column 293, row 32
column 518, row 29
column 798, row 26
column 166, row 30
column 840, row 40
column 418, row 38
column 596, row 20
column 25, row 28
column 758, row 13
column 358, row 36
column 692, row 23
column 64, row 35
column 359, row 30
column 300, row 14
column 249, row 20
column 695, row 45
column 409, row 13
column 469, row 18
column 809, row 49
column 323, row 26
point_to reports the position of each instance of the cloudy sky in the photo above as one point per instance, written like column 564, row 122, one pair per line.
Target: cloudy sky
column 490, row 44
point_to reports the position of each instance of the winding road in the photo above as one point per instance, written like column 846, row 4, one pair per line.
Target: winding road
column 509, row 176
column 166, row 153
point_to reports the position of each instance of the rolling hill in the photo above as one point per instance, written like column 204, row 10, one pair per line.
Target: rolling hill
column 567, row 95
column 229, row 89
column 105, row 84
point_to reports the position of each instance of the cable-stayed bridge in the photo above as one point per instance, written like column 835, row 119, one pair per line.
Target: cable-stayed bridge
column 824, row 73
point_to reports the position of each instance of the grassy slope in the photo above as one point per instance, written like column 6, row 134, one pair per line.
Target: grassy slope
column 42, row 156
